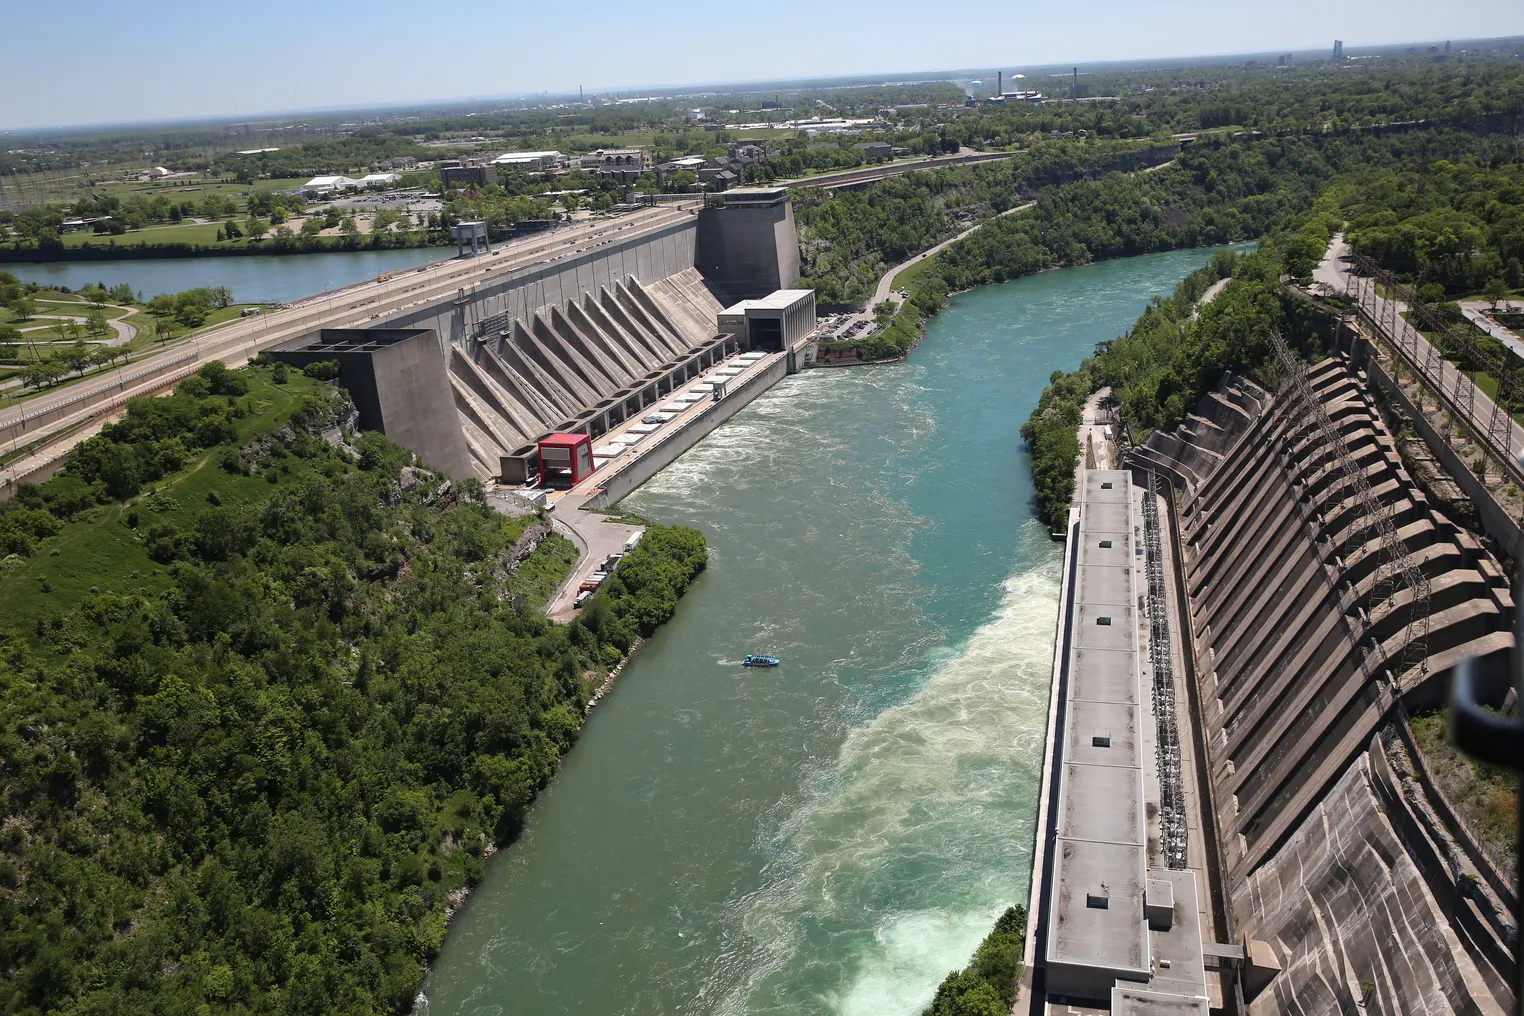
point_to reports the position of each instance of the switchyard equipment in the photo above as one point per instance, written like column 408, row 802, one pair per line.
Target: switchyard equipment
column 1172, row 818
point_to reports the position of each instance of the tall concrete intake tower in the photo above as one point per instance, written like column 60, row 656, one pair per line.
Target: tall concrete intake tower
column 748, row 246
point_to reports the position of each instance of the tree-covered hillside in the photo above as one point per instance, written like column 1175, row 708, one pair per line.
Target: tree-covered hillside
column 269, row 695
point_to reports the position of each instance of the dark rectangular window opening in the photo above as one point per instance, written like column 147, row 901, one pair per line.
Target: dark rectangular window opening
column 1106, row 485
column 1103, row 620
column 1100, row 741
column 1105, row 544
column 1096, row 902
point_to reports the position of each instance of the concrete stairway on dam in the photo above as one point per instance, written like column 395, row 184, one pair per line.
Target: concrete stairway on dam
column 527, row 381
column 1298, row 656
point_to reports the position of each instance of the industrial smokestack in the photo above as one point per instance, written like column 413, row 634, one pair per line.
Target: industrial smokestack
column 1074, row 88
column 999, row 83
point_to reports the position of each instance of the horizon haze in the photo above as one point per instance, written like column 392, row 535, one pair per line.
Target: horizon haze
column 313, row 67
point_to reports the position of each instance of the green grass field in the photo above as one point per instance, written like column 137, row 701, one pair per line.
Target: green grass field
column 105, row 553
column 193, row 188
column 191, row 233
column 144, row 342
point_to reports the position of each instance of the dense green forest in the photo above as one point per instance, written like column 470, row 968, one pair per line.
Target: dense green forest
column 1442, row 209
column 848, row 238
column 1455, row 223
column 988, row 984
column 269, row 696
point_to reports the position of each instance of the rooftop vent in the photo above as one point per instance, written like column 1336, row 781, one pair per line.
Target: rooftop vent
column 1105, row 544
column 1106, row 485
column 1098, row 901
column 1100, row 741
column 1103, row 620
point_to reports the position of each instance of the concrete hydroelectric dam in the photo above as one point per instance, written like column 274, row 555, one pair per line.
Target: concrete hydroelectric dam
column 532, row 337
column 835, row 835
column 1237, row 815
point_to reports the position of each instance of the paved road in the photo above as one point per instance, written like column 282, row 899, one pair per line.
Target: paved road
column 886, row 283
column 1209, row 296
column 350, row 307
column 1475, row 311
column 1334, row 274
column 868, row 174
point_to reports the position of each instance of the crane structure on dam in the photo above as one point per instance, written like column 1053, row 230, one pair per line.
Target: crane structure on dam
column 1395, row 571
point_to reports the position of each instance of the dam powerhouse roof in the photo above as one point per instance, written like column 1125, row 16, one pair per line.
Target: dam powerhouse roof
column 1098, row 930
column 1117, row 929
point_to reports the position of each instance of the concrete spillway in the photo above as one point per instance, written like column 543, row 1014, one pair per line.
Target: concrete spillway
column 539, row 372
column 1299, row 642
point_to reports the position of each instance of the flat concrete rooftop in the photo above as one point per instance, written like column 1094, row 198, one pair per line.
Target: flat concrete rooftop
column 1097, row 927
column 778, row 299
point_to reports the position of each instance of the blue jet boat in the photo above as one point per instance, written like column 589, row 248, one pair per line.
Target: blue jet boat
column 754, row 660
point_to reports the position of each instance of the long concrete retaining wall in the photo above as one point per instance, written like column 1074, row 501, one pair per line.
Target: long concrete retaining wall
column 654, row 460
column 519, row 294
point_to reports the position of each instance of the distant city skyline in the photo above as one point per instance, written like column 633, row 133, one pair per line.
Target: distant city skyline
column 178, row 61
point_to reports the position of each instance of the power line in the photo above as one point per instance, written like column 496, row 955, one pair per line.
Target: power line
column 1396, row 570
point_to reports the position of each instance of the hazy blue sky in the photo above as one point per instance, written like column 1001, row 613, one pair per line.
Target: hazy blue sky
column 94, row 61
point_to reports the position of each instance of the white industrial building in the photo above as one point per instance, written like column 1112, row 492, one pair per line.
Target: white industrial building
column 328, row 184
column 530, row 160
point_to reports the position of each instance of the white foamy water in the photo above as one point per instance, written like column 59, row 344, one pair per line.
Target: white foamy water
column 832, row 837
column 907, row 849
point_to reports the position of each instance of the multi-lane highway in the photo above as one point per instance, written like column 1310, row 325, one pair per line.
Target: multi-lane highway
column 75, row 412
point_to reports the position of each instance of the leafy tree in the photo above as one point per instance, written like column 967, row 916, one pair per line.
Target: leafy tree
column 310, row 714
column 95, row 325
column 255, row 227
column 1496, row 291
column 987, row 985
column 23, row 308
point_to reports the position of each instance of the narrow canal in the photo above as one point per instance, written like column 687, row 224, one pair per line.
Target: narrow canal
column 832, row 836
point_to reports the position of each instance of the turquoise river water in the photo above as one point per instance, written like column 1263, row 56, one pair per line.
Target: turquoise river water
column 834, row 835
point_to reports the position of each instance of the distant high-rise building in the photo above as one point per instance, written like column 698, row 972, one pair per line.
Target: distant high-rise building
column 1447, row 45
column 1338, row 49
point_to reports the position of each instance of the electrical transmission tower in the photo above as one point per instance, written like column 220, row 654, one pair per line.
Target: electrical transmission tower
column 1395, row 569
